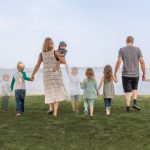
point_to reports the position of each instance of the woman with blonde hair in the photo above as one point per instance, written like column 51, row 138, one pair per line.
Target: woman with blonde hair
column 53, row 81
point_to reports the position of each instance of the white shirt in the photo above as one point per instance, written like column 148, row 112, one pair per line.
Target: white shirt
column 5, row 88
column 74, row 85
column 19, row 81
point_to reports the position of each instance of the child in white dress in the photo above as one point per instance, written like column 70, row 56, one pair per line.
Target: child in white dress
column 74, row 88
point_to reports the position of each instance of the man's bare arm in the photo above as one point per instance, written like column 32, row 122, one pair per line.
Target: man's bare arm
column 142, row 63
column 118, row 63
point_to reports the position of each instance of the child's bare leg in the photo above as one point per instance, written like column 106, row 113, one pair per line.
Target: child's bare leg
column 73, row 105
column 91, row 110
column 91, row 104
column 76, row 104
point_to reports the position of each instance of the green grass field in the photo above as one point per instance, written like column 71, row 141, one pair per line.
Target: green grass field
column 36, row 130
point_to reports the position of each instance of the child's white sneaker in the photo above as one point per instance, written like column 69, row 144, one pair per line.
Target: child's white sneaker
column 18, row 114
column 107, row 112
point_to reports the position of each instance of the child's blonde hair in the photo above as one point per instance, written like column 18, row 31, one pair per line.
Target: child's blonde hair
column 20, row 64
column 74, row 69
column 48, row 45
column 108, row 73
column 90, row 71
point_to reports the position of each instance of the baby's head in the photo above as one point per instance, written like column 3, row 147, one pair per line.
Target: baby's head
column 62, row 45
column 90, row 73
column 20, row 66
column 74, row 71
column 5, row 77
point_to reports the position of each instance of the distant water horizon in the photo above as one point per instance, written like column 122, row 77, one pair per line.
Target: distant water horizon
column 36, row 87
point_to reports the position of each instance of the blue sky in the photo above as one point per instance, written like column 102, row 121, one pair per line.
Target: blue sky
column 93, row 29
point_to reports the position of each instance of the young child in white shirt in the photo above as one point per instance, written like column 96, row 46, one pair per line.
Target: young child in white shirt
column 6, row 92
column 74, row 88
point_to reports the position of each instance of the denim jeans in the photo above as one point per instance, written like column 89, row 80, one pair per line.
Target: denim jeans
column 20, row 96
column 107, row 102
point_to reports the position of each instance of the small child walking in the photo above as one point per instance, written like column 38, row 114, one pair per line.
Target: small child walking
column 6, row 92
column 18, row 84
column 108, row 88
column 74, row 88
column 90, row 91
column 60, row 52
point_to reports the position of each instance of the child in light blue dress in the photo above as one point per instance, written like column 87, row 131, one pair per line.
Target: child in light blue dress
column 90, row 91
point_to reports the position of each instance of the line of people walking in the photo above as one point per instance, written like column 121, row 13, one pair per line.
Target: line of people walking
column 130, row 55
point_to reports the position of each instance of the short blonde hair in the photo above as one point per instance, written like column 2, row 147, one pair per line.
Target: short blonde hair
column 130, row 39
column 20, row 64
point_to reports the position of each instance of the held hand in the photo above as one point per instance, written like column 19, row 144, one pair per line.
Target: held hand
column 143, row 77
column 115, row 80
column 115, row 77
column 11, row 94
column 32, row 78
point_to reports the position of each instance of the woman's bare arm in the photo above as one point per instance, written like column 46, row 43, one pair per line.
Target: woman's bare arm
column 61, row 59
column 36, row 68
column 62, row 55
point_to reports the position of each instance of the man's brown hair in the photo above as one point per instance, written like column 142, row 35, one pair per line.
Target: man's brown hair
column 130, row 39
